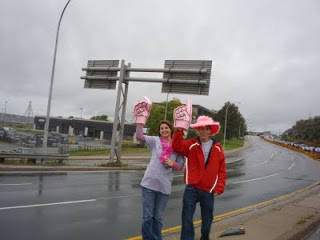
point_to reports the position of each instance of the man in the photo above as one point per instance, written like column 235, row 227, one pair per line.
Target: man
column 205, row 170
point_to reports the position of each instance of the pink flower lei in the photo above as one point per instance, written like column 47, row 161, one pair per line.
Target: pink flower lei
column 166, row 150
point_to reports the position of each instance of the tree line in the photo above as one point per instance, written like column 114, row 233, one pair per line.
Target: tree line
column 304, row 132
column 236, row 124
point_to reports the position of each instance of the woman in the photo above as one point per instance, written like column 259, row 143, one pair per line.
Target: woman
column 156, row 183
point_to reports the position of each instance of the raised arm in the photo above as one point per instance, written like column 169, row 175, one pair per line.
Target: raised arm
column 139, row 133
column 179, row 144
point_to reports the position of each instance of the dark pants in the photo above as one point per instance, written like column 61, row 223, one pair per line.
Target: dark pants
column 191, row 197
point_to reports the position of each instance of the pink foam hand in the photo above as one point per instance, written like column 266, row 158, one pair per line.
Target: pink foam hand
column 142, row 111
column 182, row 115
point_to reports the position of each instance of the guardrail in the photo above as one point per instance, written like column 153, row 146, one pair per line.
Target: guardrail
column 33, row 158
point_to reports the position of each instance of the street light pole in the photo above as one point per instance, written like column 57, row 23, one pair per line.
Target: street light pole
column 225, row 126
column 166, row 110
column 81, row 113
column 46, row 126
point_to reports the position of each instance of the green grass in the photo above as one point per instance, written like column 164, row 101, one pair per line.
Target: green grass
column 89, row 152
column 302, row 220
column 114, row 164
column 107, row 151
column 232, row 144
column 25, row 130
column 17, row 125
column 20, row 127
column 17, row 162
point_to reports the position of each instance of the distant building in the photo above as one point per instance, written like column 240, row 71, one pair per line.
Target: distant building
column 83, row 127
column 99, row 129
column 198, row 110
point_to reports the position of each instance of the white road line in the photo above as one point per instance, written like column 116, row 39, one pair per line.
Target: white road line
column 124, row 196
column 292, row 157
column 291, row 166
column 47, row 204
column 14, row 184
column 236, row 160
column 178, row 176
column 255, row 165
column 260, row 163
column 255, row 179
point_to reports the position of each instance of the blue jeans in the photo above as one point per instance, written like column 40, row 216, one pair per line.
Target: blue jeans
column 191, row 197
column 154, row 204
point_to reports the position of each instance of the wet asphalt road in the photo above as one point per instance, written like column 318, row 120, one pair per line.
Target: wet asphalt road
column 107, row 205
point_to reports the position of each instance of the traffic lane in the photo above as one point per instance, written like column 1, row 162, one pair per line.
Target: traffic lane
column 259, row 162
column 245, row 194
column 103, row 219
column 98, row 220
column 117, row 218
column 68, row 187
column 250, row 184
column 172, row 215
column 265, row 171
column 132, row 225
column 250, row 191
column 46, row 189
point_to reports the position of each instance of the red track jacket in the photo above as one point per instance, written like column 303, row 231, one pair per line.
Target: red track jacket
column 209, row 177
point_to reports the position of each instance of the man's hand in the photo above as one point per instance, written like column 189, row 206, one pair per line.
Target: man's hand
column 142, row 110
column 182, row 115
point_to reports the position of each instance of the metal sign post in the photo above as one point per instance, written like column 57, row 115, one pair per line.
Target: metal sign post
column 179, row 76
column 118, row 122
column 123, row 118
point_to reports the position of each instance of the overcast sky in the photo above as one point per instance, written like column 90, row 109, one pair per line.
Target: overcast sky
column 265, row 54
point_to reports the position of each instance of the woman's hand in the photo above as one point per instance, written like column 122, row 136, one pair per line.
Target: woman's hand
column 168, row 162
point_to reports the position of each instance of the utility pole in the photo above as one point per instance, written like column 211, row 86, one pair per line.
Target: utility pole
column 166, row 110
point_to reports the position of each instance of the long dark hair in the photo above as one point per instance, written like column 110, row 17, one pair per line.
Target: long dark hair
column 168, row 124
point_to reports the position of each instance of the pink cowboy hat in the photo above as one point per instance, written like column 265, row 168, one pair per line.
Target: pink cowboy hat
column 203, row 121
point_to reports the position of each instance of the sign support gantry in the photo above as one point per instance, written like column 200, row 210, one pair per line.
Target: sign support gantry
column 179, row 76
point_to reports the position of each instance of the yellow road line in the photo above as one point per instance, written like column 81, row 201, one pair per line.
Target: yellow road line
column 236, row 212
